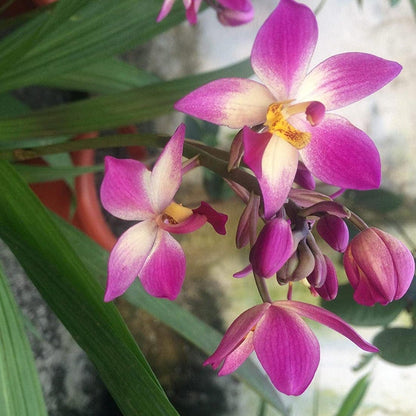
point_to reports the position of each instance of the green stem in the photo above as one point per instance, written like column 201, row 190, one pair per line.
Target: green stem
column 212, row 158
column 262, row 288
column 357, row 221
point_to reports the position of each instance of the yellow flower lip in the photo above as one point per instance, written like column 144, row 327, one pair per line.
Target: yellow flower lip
column 176, row 213
column 277, row 124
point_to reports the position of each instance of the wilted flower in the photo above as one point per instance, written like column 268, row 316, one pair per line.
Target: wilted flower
column 292, row 107
column 379, row 267
column 285, row 346
column 132, row 192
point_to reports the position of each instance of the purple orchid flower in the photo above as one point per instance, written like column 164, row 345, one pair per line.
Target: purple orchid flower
column 286, row 347
column 229, row 12
column 292, row 107
column 379, row 267
column 132, row 192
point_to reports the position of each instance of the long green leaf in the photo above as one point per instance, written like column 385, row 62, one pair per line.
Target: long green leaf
column 103, row 77
column 111, row 110
column 179, row 319
column 76, row 34
column 77, row 299
column 36, row 174
column 20, row 391
column 354, row 397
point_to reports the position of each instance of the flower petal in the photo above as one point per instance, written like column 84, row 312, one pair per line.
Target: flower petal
column 236, row 333
column 283, row 48
column 163, row 273
column 238, row 356
column 215, row 218
column 274, row 162
column 232, row 102
column 125, row 190
column 191, row 224
column 167, row 172
column 287, row 349
column 128, row 257
column 235, row 13
column 345, row 78
column 342, row 155
column 327, row 318
column 164, row 11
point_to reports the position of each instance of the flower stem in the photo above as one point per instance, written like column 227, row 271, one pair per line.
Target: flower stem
column 262, row 288
column 357, row 221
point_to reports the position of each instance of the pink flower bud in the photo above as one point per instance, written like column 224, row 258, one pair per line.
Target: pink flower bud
column 379, row 267
column 273, row 247
column 329, row 289
column 334, row 231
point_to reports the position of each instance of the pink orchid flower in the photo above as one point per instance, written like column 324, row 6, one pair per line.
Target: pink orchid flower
column 379, row 267
column 132, row 192
column 229, row 12
column 292, row 106
column 286, row 347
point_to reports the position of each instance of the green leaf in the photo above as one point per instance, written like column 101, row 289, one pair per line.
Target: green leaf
column 179, row 319
column 381, row 201
column 113, row 110
column 345, row 307
column 397, row 345
column 36, row 174
column 76, row 34
column 20, row 391
column 103, row 77
column 354, row 397
column 77, row 299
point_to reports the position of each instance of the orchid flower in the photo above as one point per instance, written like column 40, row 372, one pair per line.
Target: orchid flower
column 291, row 107
column 229, row 12
column 132, row 192
column 285, row 346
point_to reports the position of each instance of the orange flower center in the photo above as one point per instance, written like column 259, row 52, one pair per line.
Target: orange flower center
column 176, row 213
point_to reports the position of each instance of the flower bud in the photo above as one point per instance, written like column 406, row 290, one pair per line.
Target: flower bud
column 247, row 225
column 231, row 14
column 334, row 231
column 273, row 247
column 329, row 289
column 379, row 267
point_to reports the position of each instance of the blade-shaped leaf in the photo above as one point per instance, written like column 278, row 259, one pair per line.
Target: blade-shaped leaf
column 113, row 110
column 20, row 391
column 103, row 77
column 77, row 299
column 179, row 319
column 354, row 397
column 76, row 34
column 36, row 174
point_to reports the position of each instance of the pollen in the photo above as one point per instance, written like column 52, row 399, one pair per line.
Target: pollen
column 176, row 213
column 277, row 124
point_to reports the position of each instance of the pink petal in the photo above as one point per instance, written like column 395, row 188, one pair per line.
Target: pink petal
column 326, row 318
column 165, row 10
column 125, row 190
column 342, row 155
column 243, row 272
column 283, row 48
column 274, row 162
column 238, row 356
column 215, row 218
column 236, row 333
column 192, row 11
column 235, row 12
column 163, row 273
column 167, row 172
column 273, row 248
column 287, row 349
column 329, row 289
column 345, row 78
column 232, row 102
column 334, row 231
column 191, row 224
column 128, row 257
